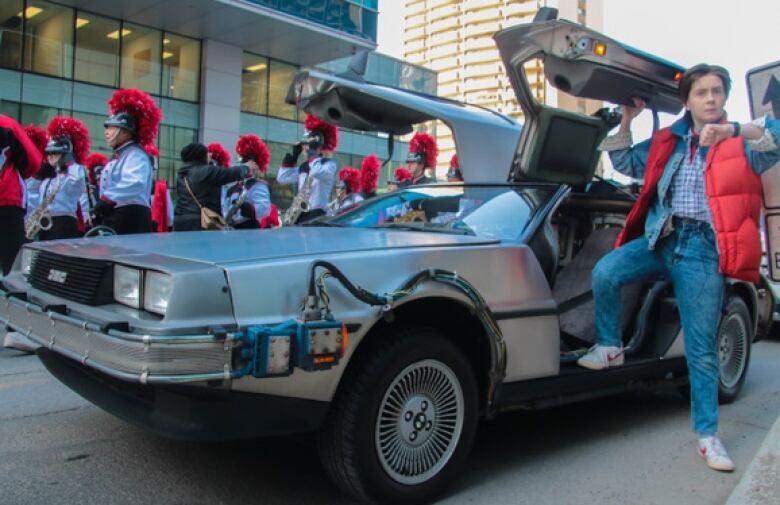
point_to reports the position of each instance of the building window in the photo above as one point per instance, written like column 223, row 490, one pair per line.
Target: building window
column 11, row 34
column 280, row 77
column 94, row 123
column 141, row 52
column 97, row 49
column 8, row 108
column 170, row 141
column 48, row 38
column 254, row 84
column 39, row 116
column 180, row 67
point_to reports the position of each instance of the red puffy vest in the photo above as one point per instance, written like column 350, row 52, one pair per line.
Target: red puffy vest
column 734, row 196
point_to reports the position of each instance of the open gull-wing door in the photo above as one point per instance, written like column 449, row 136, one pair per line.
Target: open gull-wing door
column 561, row 146
column 485, row 140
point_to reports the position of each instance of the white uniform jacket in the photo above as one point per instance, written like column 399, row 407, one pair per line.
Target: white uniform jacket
column 73, row 190
column 351, row 199
column 127, row 178
column 323, row 170
column 258, row 196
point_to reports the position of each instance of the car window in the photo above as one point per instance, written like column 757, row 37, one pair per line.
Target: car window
column 500, row 212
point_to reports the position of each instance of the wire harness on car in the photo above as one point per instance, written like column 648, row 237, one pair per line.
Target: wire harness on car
column 316, row 306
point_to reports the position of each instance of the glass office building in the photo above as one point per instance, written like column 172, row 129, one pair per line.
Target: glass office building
column 218, row 69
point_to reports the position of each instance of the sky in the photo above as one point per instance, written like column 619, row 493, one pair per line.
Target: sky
column 736, row 34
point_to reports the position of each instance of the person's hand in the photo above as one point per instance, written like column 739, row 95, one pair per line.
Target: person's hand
column 296, row 150
column 711, row 134
column 631, row 111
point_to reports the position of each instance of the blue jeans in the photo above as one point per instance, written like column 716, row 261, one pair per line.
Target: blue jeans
column 689, row 257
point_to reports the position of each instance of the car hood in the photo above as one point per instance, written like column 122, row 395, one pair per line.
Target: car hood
column 221, row 248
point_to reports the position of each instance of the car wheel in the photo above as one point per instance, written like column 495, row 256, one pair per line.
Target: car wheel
column 403, row 422
column 734, row 338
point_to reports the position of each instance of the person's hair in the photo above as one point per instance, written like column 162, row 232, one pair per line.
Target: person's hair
column 195, row 153
column 696, row 72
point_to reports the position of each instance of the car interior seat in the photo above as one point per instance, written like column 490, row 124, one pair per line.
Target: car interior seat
column 572, row 290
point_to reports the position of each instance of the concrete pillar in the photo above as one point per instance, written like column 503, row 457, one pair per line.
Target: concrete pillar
column 220, row 95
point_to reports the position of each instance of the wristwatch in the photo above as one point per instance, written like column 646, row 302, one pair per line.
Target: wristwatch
column 737, row 129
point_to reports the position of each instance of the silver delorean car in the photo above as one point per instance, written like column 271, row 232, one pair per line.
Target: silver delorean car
column 394, row 327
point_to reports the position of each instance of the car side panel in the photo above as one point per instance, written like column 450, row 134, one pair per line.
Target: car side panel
column 508, row 277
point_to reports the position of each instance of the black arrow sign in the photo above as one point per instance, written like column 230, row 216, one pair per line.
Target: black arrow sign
column 772, row 96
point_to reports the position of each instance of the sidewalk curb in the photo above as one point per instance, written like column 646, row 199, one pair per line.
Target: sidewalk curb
column 760, row 483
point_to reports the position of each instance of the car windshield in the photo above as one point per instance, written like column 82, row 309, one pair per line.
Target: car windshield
column 500, row 212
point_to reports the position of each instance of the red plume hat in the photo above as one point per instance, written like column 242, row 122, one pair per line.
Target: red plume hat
column 401, row 176
column 350, row 177
column 219, row 155
column 369, row 173
column 424, row 146
column 143, row 109
column 93, row 161
column 252, row 147
column 75, row 131
column 38, row 136
column 330, row 134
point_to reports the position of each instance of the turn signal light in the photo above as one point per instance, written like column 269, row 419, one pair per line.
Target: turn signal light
column 678, row 76
column 600, row 48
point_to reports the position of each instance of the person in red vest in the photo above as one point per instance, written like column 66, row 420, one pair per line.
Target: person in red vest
column 19, row 159
column 695, row 222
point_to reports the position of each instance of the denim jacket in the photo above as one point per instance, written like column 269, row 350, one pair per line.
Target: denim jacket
column 762, row 154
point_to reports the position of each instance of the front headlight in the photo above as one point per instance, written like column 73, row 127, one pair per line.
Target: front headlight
column 157, row 291
column 28, row 258
column 127, row 286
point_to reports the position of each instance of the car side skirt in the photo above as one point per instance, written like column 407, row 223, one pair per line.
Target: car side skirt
column 575, row 384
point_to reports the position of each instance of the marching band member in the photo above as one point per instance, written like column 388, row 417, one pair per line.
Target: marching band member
column 248, row 201
column 401, row 178
column 347, row 189
column 63, row 180
column 315, row 176
column 40, row 138
column 126, row 182
column 454, row 174
column 422, row 156
column 198, row 189
column 19, row 159
column 369, row 175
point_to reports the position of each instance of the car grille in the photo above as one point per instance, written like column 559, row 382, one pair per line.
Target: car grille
column 82, row 280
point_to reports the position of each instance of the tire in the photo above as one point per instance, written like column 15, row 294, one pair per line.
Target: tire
column 374, row 450
column 734, row 339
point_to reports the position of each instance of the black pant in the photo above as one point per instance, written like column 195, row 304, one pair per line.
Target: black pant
column 130, row 219
column 11, row 233
column 308, row 216
column 61, row 227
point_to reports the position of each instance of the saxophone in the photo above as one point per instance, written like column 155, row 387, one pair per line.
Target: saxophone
column 40, row 219
column 300, row 203
column 231, row 215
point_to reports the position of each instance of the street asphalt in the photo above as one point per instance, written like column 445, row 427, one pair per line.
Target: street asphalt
column 55, row 448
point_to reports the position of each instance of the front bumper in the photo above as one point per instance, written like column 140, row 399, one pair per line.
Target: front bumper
column 145, row 359
column 188, row 412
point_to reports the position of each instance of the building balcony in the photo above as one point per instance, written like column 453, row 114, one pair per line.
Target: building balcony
column 443, row 24
column 480, row 16
column 445, row 37
column 477, row 44
column 444, row 64
column 484, row 70
column 449, row 77
column 478, row 5
column 481, row 56
column 444, row 51
column 481, row 30
column 444, row 11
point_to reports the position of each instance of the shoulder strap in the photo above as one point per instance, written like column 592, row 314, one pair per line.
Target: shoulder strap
column 190, row 192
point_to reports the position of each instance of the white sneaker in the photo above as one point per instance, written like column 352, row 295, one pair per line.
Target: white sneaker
column 600, row 357
column 712, row 450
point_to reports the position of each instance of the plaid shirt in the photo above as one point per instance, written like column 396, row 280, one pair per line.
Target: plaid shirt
column 688, row 198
